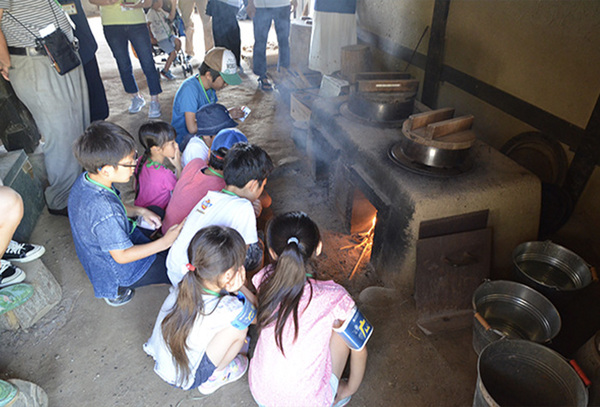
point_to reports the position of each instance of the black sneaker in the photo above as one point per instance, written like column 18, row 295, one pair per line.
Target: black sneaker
column 23, row 252
column 10, row 274
column 125, row 295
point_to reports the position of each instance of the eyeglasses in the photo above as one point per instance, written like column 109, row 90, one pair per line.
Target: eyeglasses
column 130, row 165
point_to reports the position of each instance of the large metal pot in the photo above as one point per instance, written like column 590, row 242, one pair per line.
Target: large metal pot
column 551, row 269
column 433, row 156
column 514, row 372
column 382, row 107
column 512, row 310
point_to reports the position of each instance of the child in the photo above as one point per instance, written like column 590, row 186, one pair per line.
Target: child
column 161, row 30
column 116, row 256
column 299, row 359
column 202, row 324
column 246, row 170
column 218, row 70
column 211, row 119
column 197, row 178
column 154, row 182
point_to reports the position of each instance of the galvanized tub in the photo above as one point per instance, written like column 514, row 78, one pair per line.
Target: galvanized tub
column 515, row 372
column 588, row 357
column 513, row 310
column 551, row 269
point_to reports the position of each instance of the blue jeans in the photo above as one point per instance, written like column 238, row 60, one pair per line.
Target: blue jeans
column 118, row 38
column 262, row 24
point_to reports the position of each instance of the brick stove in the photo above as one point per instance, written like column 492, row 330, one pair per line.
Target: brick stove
column 353, row 156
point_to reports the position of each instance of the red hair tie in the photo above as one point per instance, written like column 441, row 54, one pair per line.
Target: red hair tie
column 190, row 267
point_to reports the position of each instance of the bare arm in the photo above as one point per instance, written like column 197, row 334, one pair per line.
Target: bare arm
column 190, row 122
column 4, row 55
column 358, row 364
column 140, row 251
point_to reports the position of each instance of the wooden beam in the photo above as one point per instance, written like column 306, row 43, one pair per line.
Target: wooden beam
column 435, row 53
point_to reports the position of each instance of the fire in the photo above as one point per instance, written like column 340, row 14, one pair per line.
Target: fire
column 366, row 242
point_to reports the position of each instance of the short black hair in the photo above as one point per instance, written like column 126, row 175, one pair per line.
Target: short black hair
column 102, row 143
column 245, row 162
column 214, row 74
column 216, row 159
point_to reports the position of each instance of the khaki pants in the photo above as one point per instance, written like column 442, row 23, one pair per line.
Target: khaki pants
column 186, row 7
column 60, row 107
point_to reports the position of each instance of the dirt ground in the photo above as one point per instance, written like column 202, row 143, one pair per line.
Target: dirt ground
column 84, row 353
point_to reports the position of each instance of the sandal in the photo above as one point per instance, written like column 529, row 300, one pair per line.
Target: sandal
column 264, row 84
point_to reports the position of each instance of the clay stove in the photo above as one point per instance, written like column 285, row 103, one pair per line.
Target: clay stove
column 352, row 157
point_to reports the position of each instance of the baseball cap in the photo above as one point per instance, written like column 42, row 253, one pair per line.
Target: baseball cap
column 227, row 138
column 212, row 118
column 222, row 60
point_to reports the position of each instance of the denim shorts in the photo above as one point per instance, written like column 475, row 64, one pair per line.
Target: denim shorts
column 334, row 382
column 167, row 45
column 205, row 370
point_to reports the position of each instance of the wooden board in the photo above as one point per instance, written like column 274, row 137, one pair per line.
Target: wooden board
column 449, row 269
column 418, row 120
column 392, row 85
column 446, row 127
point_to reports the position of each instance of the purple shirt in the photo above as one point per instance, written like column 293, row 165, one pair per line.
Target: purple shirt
column 156, row 184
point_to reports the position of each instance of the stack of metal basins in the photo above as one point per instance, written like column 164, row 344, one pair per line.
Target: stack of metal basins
column 512, row 323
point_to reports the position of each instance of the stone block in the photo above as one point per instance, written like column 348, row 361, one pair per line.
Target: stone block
column 47, row 293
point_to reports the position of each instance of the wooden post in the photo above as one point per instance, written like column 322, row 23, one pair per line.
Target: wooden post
column 435, row 53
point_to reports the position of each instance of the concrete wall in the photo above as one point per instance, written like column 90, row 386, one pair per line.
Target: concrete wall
column 544, row 52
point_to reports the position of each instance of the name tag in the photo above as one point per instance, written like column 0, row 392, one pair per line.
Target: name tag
column 70, row 8
column 356, row 330
column 246, row 315
column 46, row 31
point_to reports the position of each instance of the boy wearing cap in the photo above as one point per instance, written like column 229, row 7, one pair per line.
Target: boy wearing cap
column 197, row 178
column 218, row 70
column 211, row 119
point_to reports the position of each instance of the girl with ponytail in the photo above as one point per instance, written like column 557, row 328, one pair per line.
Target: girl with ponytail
column 202, row 324
column 299, row 358
column 154, row 183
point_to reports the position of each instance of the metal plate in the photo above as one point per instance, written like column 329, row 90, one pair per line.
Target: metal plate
column 368, row 122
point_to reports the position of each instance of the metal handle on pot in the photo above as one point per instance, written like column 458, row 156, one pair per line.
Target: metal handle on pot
column 467, row 259
column 594, row 273
column 580, row 373
column 482, row 321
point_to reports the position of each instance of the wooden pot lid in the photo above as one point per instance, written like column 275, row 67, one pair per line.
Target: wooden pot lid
column 439, row 129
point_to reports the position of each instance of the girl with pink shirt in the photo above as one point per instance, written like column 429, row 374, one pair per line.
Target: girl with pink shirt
column 154, row 182
column 299, row 358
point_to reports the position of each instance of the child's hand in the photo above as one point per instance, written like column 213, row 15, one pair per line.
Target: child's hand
column 236, row 112
column 172, row 233
column 256, row 204
column 152, row 218
column 176, row 161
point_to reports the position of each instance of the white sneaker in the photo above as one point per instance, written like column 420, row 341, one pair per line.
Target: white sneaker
column 154, row 111
column 23, row 252
column 10, row 274
column 137, row 102
column 232, row 372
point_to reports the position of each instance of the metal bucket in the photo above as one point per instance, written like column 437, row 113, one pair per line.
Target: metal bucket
column 512, row 310
column 551, row 269
column 588, row 357
column 514, row 372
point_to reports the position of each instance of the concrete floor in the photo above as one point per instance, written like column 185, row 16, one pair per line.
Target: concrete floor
column 84, row 353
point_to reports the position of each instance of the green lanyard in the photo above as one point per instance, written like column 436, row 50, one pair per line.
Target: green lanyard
column 153, row 164
column 215, row 173
column 309, row 275
column 133, row 222
column 211, row 292
column 229, row 192
column 204, row 90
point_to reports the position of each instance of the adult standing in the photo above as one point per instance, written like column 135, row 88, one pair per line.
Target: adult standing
column 187, row 9
column 124, row 21
column 334, row 27
column 226, row 30
column 58, row 103
column 87, row 53
column 262, row 13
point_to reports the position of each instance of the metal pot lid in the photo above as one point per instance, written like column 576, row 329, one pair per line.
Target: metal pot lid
column 348, row 114
column 397, row 155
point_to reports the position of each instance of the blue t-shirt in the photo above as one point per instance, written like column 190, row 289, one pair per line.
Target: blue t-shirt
column 99, row 224
column 189, row 98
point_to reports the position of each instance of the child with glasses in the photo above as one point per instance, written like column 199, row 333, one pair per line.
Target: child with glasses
column 115, row 254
